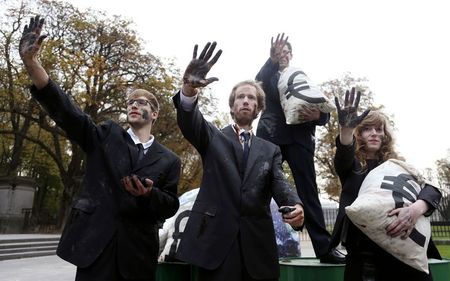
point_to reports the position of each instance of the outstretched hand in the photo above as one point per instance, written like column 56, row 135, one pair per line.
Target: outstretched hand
column 348, row 115
column 195, row 73
column 31, row 40
column 276, row 48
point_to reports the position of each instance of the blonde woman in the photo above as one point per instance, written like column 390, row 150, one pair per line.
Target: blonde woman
column 365, row 141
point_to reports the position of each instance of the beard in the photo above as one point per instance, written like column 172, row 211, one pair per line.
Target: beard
column 245, row 119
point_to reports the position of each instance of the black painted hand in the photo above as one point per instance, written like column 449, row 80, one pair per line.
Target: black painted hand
column 198, row 68
column 276, row 48
column 348, row 115
column 31, row 40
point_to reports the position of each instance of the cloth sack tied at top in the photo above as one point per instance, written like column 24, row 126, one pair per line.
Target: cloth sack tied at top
column 298, row 91
column 391, row 185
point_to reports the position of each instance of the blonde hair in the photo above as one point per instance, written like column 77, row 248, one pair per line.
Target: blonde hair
column 154, row 104
column 386, row 151
column 260, row 95
column 153, row 101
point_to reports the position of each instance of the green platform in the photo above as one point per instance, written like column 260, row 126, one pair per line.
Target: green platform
column 310, row 269
column 296, row 269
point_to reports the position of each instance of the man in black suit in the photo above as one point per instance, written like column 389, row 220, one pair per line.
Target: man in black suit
column 112, row 231
column 297, row 144
column 230, row 234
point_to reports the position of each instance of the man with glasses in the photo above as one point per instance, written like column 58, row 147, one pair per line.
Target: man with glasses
column 130, row 185
column 297, row 144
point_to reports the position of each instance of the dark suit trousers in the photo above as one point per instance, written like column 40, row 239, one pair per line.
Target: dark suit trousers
column 232, row 268
column 301, row 163
column 379, row 266
column 105, row 267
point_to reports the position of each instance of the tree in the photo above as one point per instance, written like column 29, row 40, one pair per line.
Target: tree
column 326, row 135
column 443, row 171
column 96, row 60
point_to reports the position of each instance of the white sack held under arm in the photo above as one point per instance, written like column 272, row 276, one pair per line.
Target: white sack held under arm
column 296, row 91
column 391, row 185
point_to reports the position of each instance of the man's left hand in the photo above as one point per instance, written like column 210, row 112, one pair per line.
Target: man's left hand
column 134, row 186
column 295, row 218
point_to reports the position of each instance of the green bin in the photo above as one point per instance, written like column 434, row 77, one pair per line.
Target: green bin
column 310, row 269
column 173, row 271
column 292, row 269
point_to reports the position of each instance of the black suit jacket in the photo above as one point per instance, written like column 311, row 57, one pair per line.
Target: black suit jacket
column 272, row 124
column 104, row 209
column 229, row 205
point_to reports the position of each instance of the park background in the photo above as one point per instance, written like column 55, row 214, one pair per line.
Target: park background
column 397, row 52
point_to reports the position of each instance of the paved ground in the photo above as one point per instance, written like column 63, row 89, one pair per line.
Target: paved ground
column 49, row 268
column 52, row 268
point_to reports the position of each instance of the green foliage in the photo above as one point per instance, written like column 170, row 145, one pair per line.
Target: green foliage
column 444, row 250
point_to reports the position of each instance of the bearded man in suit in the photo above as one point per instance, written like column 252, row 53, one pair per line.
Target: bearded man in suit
column 230, row 234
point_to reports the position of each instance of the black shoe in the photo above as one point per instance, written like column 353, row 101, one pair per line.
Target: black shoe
column 333, row 256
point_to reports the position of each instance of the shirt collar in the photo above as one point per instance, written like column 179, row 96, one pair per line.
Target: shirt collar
column 136, row 140
column 238, row 130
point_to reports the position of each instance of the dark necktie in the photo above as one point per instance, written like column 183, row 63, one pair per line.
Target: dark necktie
column 140, row 151
column 246, row 136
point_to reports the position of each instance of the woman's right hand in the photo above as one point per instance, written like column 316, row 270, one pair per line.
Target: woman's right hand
column 348, row 115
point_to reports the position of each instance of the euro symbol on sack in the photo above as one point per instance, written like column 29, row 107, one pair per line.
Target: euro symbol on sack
column 398, row 186
column 176, row 236
column 295, row 89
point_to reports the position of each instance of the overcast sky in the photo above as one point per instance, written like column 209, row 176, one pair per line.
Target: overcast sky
column 401, row 47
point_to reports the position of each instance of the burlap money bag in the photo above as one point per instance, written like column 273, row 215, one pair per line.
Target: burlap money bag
column 174, row 227
column 298, row 91
column 391, row 185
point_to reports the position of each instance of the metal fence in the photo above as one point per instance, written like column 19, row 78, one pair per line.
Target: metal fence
column 440, row 227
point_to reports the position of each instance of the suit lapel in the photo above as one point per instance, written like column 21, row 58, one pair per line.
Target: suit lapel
column 237, row 147
column 153, row 154
column 256, row 148
column 132, row 149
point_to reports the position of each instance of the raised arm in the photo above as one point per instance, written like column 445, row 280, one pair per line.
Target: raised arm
column 276, row 47
column 271, row 66
column 29, row 47
column 190, row 120
column 348, row 116
column 195, row 74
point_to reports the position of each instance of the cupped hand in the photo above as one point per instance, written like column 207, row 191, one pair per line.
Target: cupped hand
column 295, row 218
column 134, row 186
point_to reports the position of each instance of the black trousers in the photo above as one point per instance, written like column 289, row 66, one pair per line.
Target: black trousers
column 105, row 267
column 233, row 268
column 301, row 163
column 379, row 266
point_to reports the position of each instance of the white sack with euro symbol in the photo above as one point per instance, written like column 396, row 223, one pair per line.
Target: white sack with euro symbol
column 391, row 182
column 298, row 91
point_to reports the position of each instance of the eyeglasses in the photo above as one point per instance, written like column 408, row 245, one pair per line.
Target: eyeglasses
column 140, row 102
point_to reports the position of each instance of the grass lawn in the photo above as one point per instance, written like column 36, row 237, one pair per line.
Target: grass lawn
column 444, row 250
